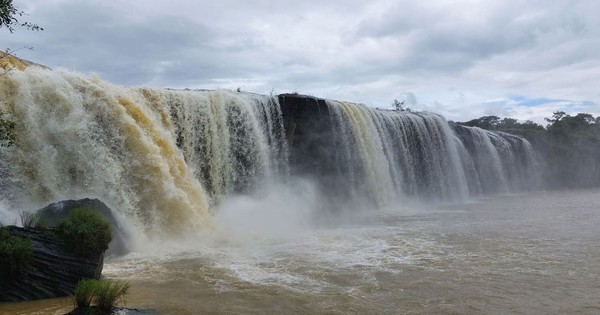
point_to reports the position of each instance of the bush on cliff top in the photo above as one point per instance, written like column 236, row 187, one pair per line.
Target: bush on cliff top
column 85, row 232
column 15, row 255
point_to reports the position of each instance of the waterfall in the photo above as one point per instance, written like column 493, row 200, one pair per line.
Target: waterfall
column 163, row 158
column 389, row 156
column 166, row 159
column 399, row 154
column 233, row 141
column 504, row 163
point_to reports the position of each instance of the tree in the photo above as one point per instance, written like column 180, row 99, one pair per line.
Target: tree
column 397, row 105
column 556, row 116
column 9, row 14
column 585, row 118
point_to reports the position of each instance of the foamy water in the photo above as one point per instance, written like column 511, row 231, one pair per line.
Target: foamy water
column 534, row 254
column 511, row 254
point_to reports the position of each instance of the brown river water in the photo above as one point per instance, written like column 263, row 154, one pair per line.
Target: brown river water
column 523, row 254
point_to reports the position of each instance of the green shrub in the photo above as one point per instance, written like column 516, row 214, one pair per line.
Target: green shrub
column 104, row 294
column 85, row 232
column 32, row 220
column 15, row 255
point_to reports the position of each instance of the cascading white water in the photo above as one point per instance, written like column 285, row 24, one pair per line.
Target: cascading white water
column 389, row 155
column 399, row 153
column 165, row 158
column 233, row 141
column 148, row 153
column 504, row 163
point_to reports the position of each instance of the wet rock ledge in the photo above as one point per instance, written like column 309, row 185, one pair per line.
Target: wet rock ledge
column 53, row 269
column 54, row 272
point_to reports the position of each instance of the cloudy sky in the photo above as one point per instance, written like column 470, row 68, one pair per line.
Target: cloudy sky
column 460, row 58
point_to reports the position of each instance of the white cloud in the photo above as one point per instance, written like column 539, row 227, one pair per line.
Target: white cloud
column 463, row 58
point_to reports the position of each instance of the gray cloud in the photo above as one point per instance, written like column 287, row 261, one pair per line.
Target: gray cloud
column 454, row 57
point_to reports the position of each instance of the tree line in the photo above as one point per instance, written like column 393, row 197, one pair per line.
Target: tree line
column 559, row 123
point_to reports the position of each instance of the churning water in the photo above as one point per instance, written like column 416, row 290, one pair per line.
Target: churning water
column 511, row 254
column 532, row 254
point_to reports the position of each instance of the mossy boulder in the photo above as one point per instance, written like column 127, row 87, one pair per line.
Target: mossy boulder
column 47, row 260
column 55, row 214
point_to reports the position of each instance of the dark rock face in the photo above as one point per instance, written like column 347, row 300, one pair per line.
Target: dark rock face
column 54, row 272
column 58, row 211
column 314, row 148
column 309, row 131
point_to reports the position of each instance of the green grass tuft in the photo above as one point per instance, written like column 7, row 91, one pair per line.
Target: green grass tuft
column 85, row 232
column 84, row 292
column 104, row 294
column 109, row 293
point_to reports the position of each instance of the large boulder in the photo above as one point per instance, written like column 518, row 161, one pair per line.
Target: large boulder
column 54, row 271
column 55, row 213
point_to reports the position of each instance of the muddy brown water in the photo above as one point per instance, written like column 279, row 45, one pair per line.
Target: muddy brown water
column 529, row 254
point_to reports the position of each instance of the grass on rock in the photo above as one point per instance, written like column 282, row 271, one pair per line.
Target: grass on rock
column 85, row 232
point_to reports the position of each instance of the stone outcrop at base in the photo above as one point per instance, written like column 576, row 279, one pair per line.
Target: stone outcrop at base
column 54, row 272
column 54, row 213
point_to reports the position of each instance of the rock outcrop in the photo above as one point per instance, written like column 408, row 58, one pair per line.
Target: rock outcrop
column 54, row 272
column 54, row 213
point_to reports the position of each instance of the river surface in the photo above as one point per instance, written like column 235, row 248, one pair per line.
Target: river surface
column 523, row 254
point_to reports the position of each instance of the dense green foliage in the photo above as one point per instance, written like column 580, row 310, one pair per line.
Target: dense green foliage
column 9, row 14
column 569, row 146
column 15, row 255
column 103, row 293
column 7, row 131
column 85, row 232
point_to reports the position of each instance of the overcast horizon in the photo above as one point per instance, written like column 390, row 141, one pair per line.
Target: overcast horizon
column 462, row 59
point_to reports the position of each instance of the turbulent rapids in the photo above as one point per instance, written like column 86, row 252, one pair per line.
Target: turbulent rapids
column 166, row 159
